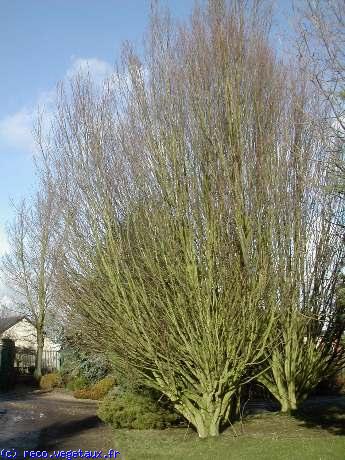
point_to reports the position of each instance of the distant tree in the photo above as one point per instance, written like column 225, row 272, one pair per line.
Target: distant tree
column 30, row 263
column 4, row 312
column 322, row 38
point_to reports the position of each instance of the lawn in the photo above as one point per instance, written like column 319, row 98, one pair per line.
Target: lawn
column 317, row 433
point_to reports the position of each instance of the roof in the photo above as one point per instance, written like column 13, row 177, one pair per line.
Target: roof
column 6, row 323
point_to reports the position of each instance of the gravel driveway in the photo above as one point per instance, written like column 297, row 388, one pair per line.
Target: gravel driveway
column 36, row 420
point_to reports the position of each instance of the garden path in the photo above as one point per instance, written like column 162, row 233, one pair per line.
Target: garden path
column 35, row 420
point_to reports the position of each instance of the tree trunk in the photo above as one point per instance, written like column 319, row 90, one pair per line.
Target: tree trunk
column 208, row 416
column 288, row 405
column 39, row 355
column 207, row 427
column 285, row 394
column 288, row 399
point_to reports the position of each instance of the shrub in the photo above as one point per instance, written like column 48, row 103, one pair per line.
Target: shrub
column 97, row 391
column 77, row 383
column 135, row 411
column 333, row 385
column 91, row 367
column 50, row 381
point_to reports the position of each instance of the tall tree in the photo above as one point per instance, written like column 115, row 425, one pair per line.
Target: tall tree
column 322, row 39
column 311, row 321
column 191, row 192
column 30, row 264
column 308, row 257
column 162, row 175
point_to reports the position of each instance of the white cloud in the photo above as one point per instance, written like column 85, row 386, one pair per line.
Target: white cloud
column 96, row 68
column 16, row 131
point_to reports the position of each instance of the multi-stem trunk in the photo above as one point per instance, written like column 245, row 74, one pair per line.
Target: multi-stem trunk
column 280, row 380
column 284, row 393
column 208, row 414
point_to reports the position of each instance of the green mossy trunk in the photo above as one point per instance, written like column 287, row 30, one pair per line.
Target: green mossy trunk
column 288, row 405
column 288, row 398
column 207, row 426
column 209, row 415
column 284, row 393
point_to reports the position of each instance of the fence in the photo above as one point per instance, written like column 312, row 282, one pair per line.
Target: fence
column 25, row 359
column 7, row 352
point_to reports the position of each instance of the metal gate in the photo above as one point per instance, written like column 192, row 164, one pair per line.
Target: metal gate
column 7, row 353
column 25, row 359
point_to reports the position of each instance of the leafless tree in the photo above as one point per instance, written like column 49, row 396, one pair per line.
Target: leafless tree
column 29, row 265
column 195, row 211
column 322, row 43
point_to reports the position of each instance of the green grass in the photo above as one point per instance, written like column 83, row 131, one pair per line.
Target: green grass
column 317, row 436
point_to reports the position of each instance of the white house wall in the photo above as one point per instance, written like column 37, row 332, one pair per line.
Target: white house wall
column 24, row 335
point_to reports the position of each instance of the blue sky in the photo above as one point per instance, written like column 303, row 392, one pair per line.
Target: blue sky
column 41, row 43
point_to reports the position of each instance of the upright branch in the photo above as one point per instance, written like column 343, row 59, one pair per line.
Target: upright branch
column 168, row 181
column 321, row 41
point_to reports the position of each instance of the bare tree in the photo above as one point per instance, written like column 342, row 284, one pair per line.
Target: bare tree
column 308, row 257
column 322, row 40
column 166, row 262
column 196, row 217
column 5, row 312
column 29, row 265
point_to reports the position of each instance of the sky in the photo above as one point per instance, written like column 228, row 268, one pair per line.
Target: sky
column 43, row 42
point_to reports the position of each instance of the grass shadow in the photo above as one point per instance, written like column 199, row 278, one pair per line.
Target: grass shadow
column 54, row 435
column 323, row 413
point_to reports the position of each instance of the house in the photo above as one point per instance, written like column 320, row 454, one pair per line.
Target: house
column 22, row 331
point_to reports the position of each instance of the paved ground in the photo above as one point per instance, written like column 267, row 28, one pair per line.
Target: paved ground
column 50, row 421
column 36, row 420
